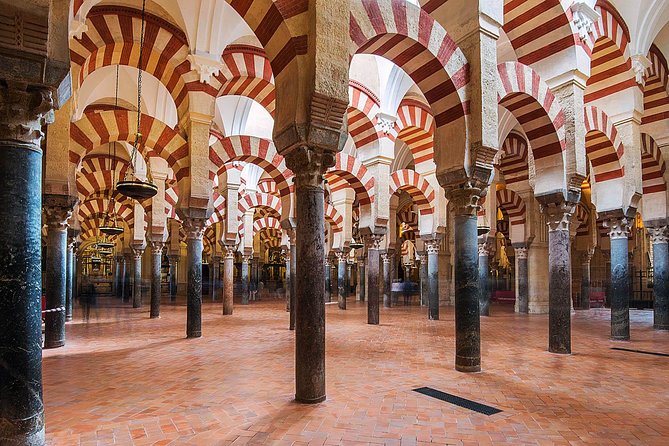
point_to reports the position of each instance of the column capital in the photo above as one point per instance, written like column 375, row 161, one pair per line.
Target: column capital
column 194, row 228
column 138, row 251
column 309, row 165
column 229, row 251
column 485, row 249
column 173, row 258
column 247, row 258
column 558, row 213
column 658, row 235
column 327, row 262
column 587, row 255
column 58, row 209
column 373, row 241
column 342, row 255
column 466, row 200
column 521, row 251
column 25, row 111
column 618, row 226
column 432, row 246
column 386, row 258
column 157, row 247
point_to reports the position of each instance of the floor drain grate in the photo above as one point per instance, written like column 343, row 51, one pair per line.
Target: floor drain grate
column 640, row 351
column 458, row 401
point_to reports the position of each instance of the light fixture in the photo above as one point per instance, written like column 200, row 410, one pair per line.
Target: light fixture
column 131, row 186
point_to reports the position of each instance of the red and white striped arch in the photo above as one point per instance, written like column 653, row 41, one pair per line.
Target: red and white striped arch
column 266, row 223
column 408, row 216
column 610, row 65
column 350, row 172
column 513, row 205
column 583, row 217
column 268, row 186
column 537, row 29
column 603, row 146
column 415, row 126
column 97, row 128
column 653, row 166
column 655, row 97
column 408, row 36
column 416, row 186
column 514, row 165
column 99, row 163
column 247, row 72
column 522, row 91
column 90, row 184
column 362, row 111
column 333, row 217
column 113, row 38
column 254, row 150
column 258, row 200
column 220, row 209
column 101, row 205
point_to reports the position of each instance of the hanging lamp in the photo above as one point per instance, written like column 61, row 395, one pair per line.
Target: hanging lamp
column 131, row 186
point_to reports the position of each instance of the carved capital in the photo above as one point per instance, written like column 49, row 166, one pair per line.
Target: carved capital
column 658, row 235
column 157, row 247
column 585, row 17
column 485, row 249
column 327, row 262
column 558, row 214
column 619, row 227
column 58, row 210
column 138, row 251
column 205, row 66
column 386, row 258
column 342, row 255
column 194, row 228
column 466, row 201
column 23, row 113
column 373, row 241
column 229, row 251
column 640, row 64
column 521, row 252
column 247, row 258
column 309, row 164
column 432, row 246
column 385, row 123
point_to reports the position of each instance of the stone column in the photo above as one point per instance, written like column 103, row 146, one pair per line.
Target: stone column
column 127, row 279
column 484, row 277
column 558, row 214
column 119, row 276
column 387, row 283
column 288, row 282
column 138, row 252
column 619, row 230
column 216, row 271
column 23, row 112
column 293, row 282
column 156, row 261
column 522, row 274
column 659, row 238
column 422, row 272
column 374, row 261
column 246, row 259
column 309, row 165
column 432, row 247
column 69, row 280
column 228, row 279
column 194, row 231
column 465, row 204
column 585, row 279
column 328, row 282
column 58, row 209
column 174, row 279
column 341, row 279
column 361, row 278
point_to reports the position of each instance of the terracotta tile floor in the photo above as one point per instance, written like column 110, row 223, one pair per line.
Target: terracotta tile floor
column 128, row 380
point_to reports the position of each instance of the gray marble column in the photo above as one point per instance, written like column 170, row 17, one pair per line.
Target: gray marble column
column 465, row 205
column 432, row 247
column 118, row 276
column 309, row 165
column 194, row 231
column 127, row 276
column 289, row 288
column 341, row 279
column 374, row 280
column 23, row 113
column 361, row 278
column 293, row 282
column 138, row 252
column 246, row 260
column 217, row 277
column 228, row 279
column 156, row 262
column 585, row 279
column 522, row 277
column 659, row 239
column 387, row 283
column 69, row 279
column 619, row 230
column 558, row 214
column 58, row 209
column 422, row 272
column 174, row 279
column 484, row 276
column 328, row 282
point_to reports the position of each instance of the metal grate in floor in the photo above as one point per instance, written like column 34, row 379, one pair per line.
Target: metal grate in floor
column 640, row 351
column 458, row 401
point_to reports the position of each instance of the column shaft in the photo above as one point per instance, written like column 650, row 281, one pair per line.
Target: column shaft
column 54, row 321
column 387, row 283
column 361, row 279
column 661, row 283
column 245, row 280
column 293, row 284
column 156, row 261
column 559, row 294
column 585, row 283
column 341, row 281
column 228, row 281
column 69, row 274
column 484, row 280
column 328, row 282
column 423, row 280
column 288, row 281
column 194, row 297
column 620, row 305
column 433, row 280
column 137, row 286
column 173, row 278
column 467, row 318
column 127, row 277
column 522, row 278
column 374, row 262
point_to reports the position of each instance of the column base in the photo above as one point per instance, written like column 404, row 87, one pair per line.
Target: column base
column 154, row 317
column 34, row 439
column 68, row 319
column 661, row 327
column 320, row 399
column 468, row 368
column 194, row 335
column 56, row 344
column 559, row 351
column 620, row 338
